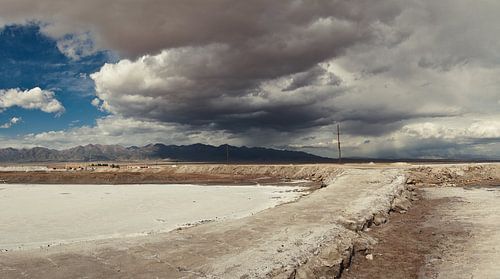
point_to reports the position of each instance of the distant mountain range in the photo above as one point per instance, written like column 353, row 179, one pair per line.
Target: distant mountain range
column 182, row 153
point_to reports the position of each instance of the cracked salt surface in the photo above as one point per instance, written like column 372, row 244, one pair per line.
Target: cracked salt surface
column 35, row 216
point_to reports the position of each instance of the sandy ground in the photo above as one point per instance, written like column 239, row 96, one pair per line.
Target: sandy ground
column 35, row 216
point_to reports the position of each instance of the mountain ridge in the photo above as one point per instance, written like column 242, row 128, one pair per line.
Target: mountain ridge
column 183, row 153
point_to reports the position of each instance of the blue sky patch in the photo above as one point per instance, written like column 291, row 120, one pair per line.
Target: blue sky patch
column 30, row 59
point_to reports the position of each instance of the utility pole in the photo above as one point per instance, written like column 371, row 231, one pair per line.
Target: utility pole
column 227, row 153
column 338, row 143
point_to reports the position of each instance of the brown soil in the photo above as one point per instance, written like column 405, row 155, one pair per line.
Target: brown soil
column 404, row 245
column 162, row 177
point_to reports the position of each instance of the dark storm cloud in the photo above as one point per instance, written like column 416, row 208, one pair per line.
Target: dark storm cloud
column 139, row 27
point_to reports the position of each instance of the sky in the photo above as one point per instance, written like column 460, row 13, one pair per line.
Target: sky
column 402, row 78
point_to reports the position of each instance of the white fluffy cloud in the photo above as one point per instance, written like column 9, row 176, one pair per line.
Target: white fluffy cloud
column 13, row 121
column 35, row 98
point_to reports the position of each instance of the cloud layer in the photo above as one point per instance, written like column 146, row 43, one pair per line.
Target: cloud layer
column 411, row 78
column 35, row 98
column 121, row 25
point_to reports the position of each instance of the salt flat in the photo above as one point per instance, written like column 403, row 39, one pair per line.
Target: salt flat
column 33, row 215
